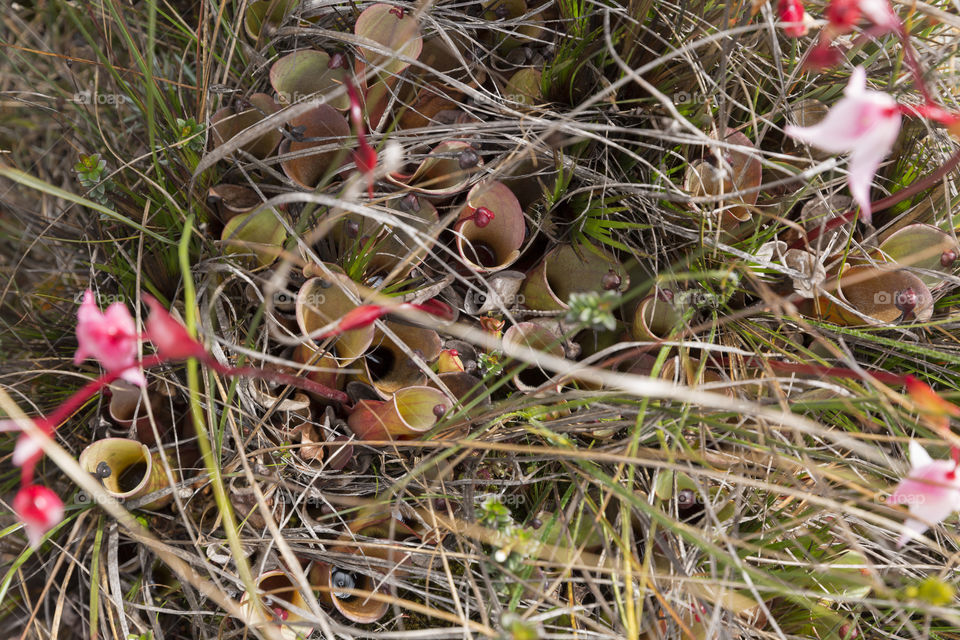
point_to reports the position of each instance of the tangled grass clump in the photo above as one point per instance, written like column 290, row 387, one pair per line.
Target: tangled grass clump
column 517, row 319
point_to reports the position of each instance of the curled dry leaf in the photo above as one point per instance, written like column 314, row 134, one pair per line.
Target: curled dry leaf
column 818, row 212
column 655, row 319
column 322, row 302
column 736, row 170
column 537, row 337
column 264, row 16
column 229, row 200
column 411, row 412
column 387, row 366
column 922, row 246
column 442, row 172
column 126, row 469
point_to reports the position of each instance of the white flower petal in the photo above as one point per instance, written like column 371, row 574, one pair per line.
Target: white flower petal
column 856, row 84
column 918, row 455
column 911, row 529
column 25, row 449
column 866, row 158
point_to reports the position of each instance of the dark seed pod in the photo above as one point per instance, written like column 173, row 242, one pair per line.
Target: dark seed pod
column 947, row 258
column 906, row 301
column 468, row 159
column 536, row 523
column 104, row 470
column 665, row 294
column 410, row 203
column 439, row 410
column 352, row 229
column 611, row 281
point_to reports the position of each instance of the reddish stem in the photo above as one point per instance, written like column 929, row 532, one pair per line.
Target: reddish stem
column 910, row 57
column 86, row 392
column 280, row 378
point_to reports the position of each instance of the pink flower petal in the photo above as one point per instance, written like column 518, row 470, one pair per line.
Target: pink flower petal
column 880, row 13
column 39, row 508
column 110, row 337
column 27, row 450
column 931, row 492
column 169, row 336
column 863, row 123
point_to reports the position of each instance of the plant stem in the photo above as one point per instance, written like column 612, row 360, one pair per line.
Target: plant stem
column 86, row 392
column 279, row 377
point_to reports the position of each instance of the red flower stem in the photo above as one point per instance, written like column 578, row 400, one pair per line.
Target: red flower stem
column 278, row 377
column 910, row 57
column 74, row 402
column 884, row 203
column 77, row 400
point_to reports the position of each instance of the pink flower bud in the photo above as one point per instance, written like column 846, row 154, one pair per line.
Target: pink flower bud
column 365, row 156
column 357, row 318
column 791, row 12
column 435, row 307
column 110, row 337
column 169, row 336
column 39, row 508
column 844, row 15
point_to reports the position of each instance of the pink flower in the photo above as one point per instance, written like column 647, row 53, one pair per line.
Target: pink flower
column 843, row 15
column 39, row 508
column 864, row 124
column 169, row 336
column 931, row 492
column 791, row 12
column 110, row 337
